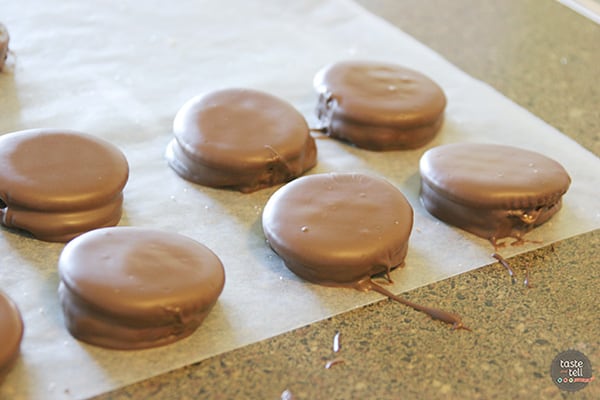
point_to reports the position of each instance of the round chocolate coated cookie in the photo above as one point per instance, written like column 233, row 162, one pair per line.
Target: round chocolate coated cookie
column 4, row 38
column 133, row 288
column 378, row 106
column 240, row 139
column 338, row 228
column 493, row 191
column 57, row 184
column 11, row 334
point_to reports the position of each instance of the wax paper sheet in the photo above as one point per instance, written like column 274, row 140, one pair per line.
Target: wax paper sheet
column 120, row 70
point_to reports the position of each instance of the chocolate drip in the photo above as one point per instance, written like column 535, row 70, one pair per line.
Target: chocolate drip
column 278, row 160
column 435, row 313
column 505, row 264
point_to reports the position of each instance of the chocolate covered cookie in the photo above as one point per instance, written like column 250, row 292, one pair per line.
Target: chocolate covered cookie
column 11, row 334
column 493, row 191
column 132, row 288
column 378, row 106
column 240, row 139
column 57, row 184
column 338, row 228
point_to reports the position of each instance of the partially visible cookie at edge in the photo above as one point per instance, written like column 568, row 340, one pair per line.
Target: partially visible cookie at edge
column 11, row 334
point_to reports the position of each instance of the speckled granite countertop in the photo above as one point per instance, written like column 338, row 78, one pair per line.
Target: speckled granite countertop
column 544, row 57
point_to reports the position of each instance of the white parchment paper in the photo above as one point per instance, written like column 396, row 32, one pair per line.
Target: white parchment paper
column 120, row 69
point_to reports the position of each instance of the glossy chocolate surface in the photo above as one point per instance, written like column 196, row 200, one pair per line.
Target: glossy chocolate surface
column 130, row 288
column 11, row 334
column 338, row 228
column 493, row 191
column 57, row 184
column 240, row 139
column 378, row 106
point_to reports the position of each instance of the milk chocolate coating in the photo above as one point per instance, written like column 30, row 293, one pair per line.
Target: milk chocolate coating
column 11, row 334
column 57, row 184
column 378, row 106
column 493, row 191
column 132, row 288
column 240, row 139
column 4, row 39
column 338, row 228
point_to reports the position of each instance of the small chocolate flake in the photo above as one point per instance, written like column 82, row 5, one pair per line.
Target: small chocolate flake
column 333, row 362
column 336, row 342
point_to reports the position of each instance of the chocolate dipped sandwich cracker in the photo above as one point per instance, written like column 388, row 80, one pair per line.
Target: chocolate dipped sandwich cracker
column 57, row 184
column 240, row 139
column 378, row 106
column 132, row 288
column 493, row 191
column 341, row 229
column 338, row 228
column 11, row 334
